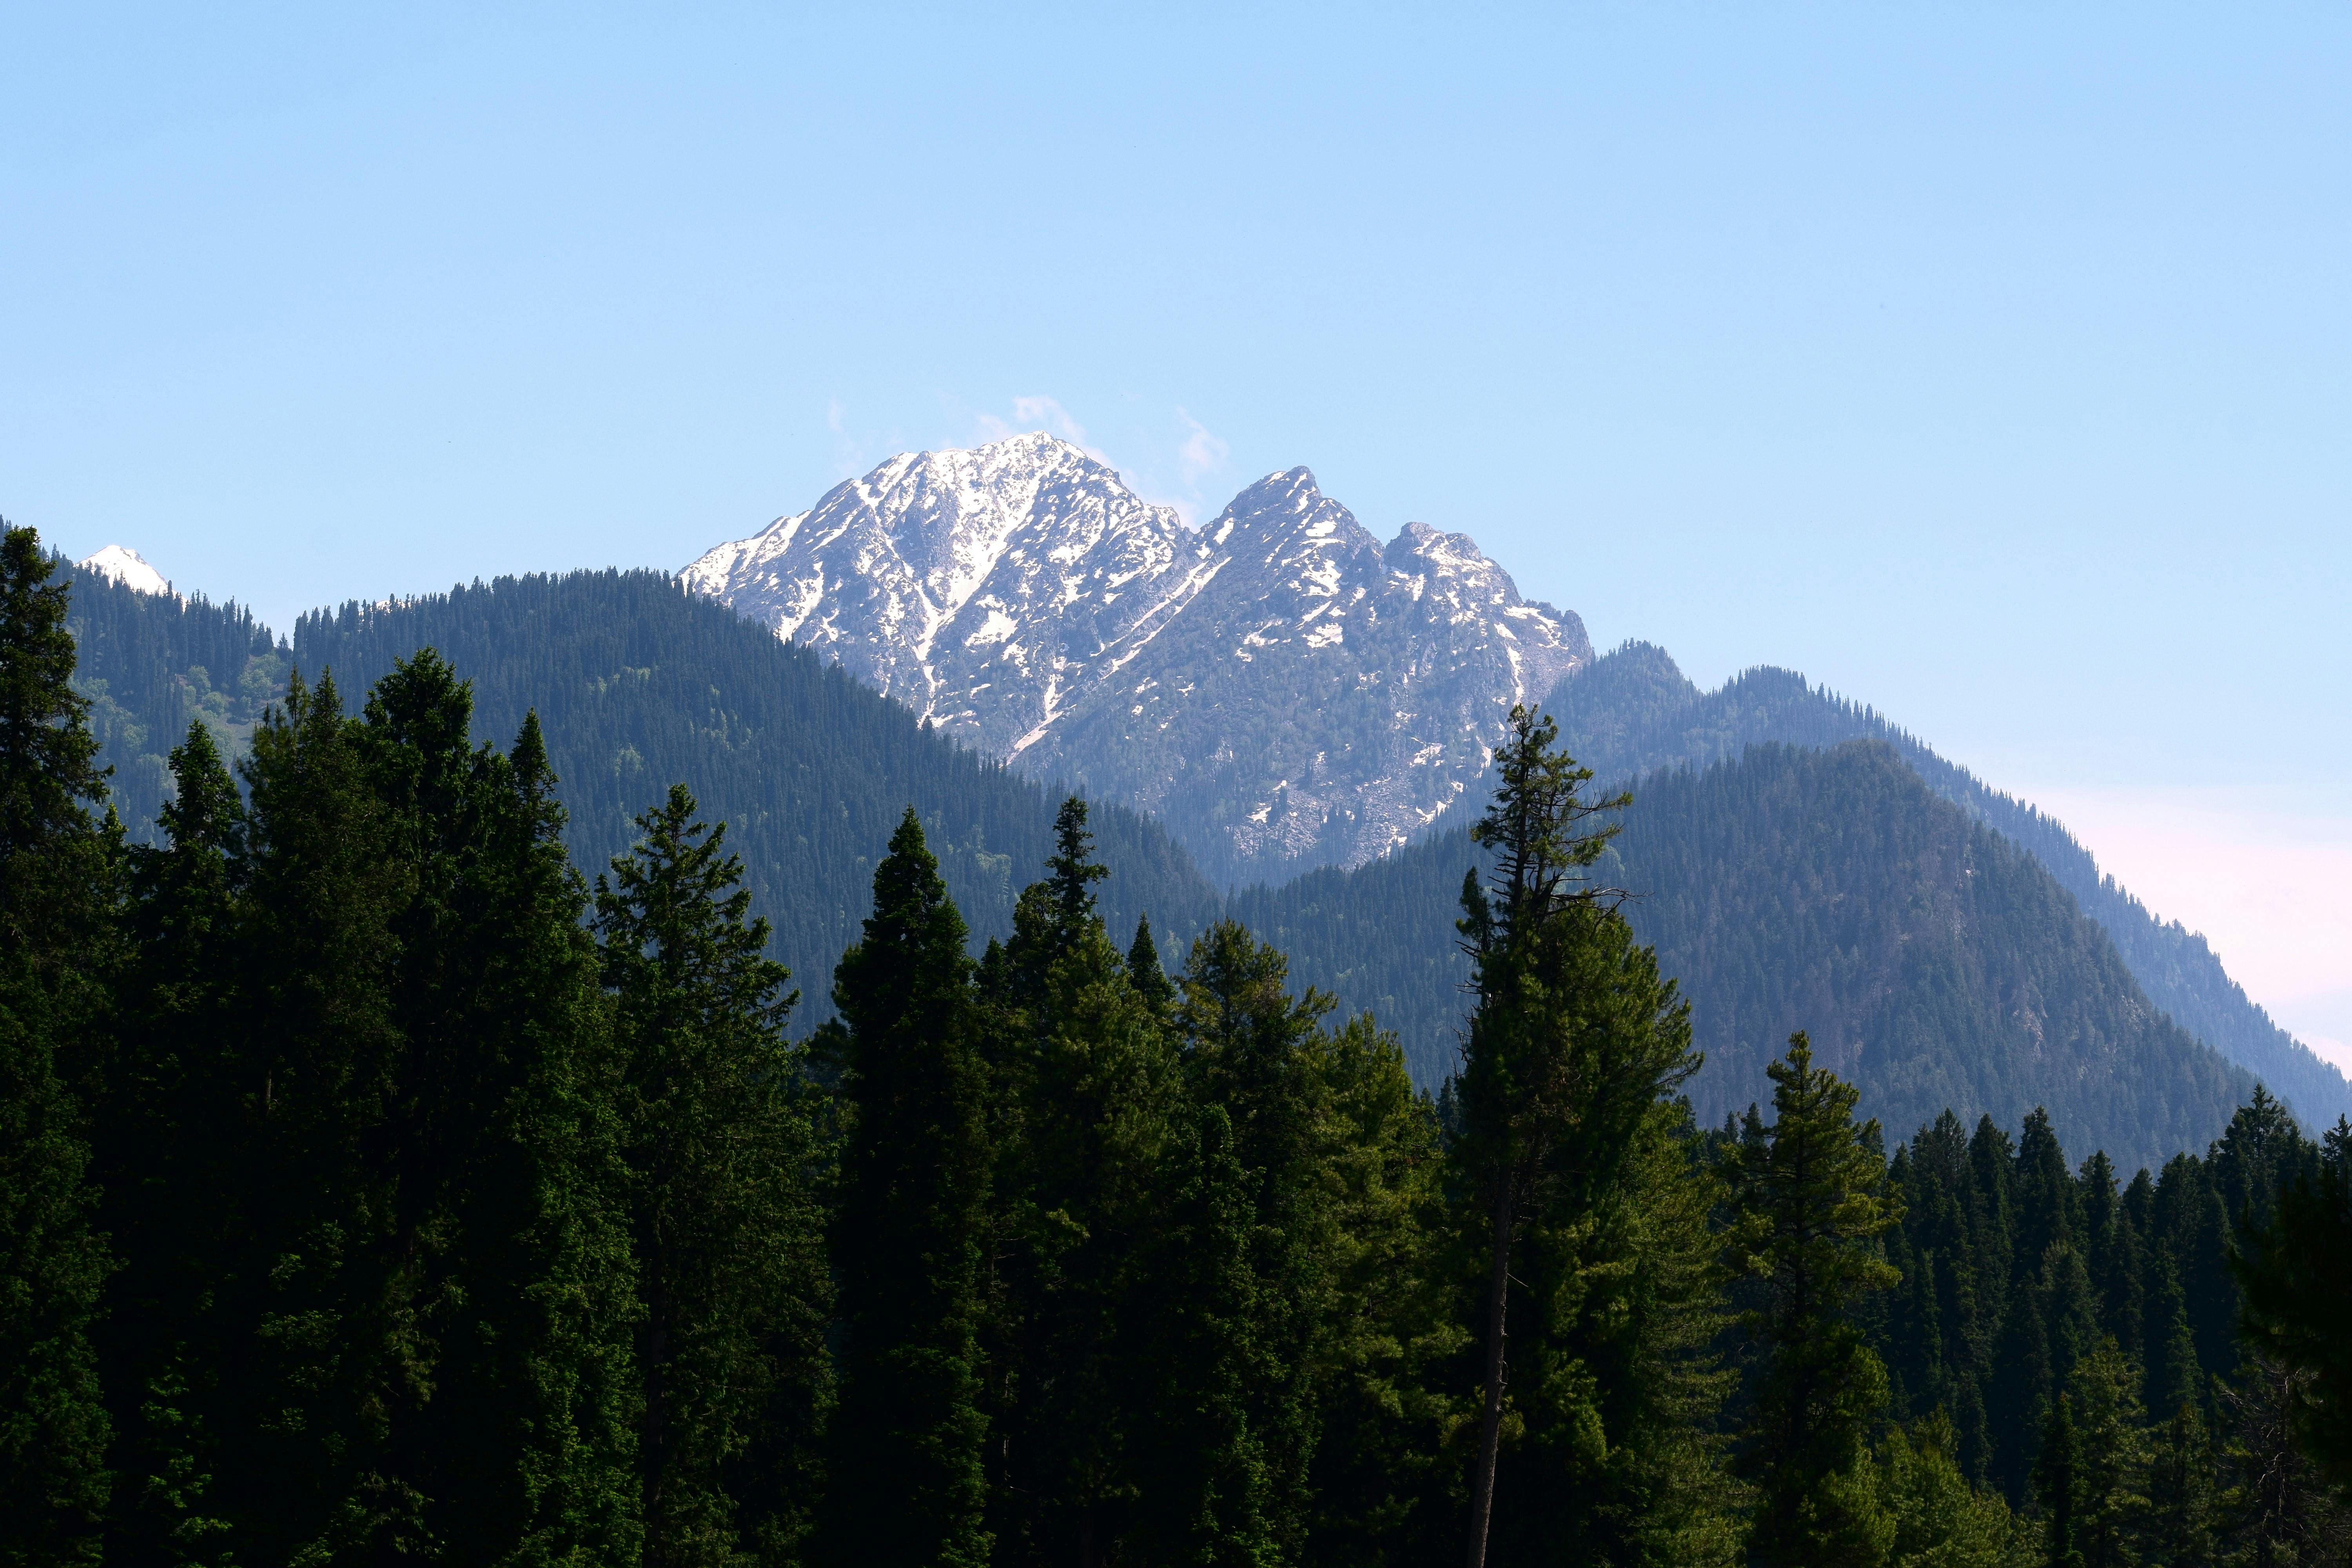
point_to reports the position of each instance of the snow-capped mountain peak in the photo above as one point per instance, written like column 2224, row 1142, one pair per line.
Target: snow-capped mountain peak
column 1278, row 685
column 983, row 588
column 128, row 567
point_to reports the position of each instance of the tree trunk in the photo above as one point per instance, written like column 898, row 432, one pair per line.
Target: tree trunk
column 1490, row 1433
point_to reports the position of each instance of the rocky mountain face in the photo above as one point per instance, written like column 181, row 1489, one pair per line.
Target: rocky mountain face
column 1280, row 688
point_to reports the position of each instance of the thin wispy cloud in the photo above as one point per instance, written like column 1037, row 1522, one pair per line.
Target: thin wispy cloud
column 1169, row 474
column 1203, row 453
column 1047, row 414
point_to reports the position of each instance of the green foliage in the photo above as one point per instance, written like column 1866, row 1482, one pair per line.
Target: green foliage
column 638, row 684
column 1810, row 1190
column 1249, row 1061
column 150, row 665
column 56, row 893
column 174, row 1055
column 1390, row 1335
column 1086, row 1104
column 2296, row 1271
column 1632, row 713
column 1589, row 1195
column 907, row 1483
column 450, row 1224
column 717, row 1129
column 1940, row 1520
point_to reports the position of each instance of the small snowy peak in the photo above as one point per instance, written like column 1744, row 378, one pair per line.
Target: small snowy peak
column 128, row 567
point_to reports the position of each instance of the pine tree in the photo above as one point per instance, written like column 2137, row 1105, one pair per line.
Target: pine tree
column 2178, row 1529
column 317, row 1316
column 1209, row 1474
column 1143, row 968
column 426, row 1295
column 1620, row 1288
column 1250, row 1054
column 170, row 1147
column 1518, row 1084
column 2058, row 1488
column 1383, row 1405
column 1940, row 1519
column 55, row 898
column 2174, row 1381
column 721, row 1154
column 537, row 1404
column 2111, row 1466
column 1812, row 1202
column 2297, row 1273
column 907, row 1478
column 1085, row 1092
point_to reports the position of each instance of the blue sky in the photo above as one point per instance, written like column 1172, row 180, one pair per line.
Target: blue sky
column 1992, row 363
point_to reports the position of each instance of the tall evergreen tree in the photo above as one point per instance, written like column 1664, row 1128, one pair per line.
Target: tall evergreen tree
column 2110, row 1499
column 907, row 1481
column 171, row 1130
column 55, row 902
column 1211, row 1476
column 1392, row 1333
column 421, row 1300
column 2178, row 1529
column 535, row 1412
column 1518, row 1079
column 1811, row 1203
column 325, row 1320
column 1940, row 1520
column 1621, row 1290
column 1083, row 1097
column 2058, row 1486
column 1250, row 1069
column 1143, row 967
column 2297, row 1273
column 722, row 1154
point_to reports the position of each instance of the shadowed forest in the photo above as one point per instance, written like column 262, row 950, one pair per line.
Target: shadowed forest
column 380, row 1183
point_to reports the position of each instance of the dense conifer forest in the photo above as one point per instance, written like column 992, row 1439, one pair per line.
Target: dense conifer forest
column 1774, row 910
column 1935, row 964
column 637, row 681
column 379, row 1183
column 1633, row 712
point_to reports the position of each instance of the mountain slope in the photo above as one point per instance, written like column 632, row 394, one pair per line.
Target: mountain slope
column 988, row 590
column 638, row 684
column 1932, row 961
column 1633, row 711
column 1281, row 689
column 151, row 663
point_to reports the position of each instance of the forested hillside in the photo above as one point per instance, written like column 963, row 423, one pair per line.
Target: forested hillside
column 639, row 685
column 1632, row 712
column 149, row 665
column 1934, row 962
column 1773, row 908
column 371, row 1191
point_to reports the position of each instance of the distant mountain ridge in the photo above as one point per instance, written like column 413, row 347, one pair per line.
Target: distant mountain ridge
column 1279, row 687
column 1933, row 960
column 1826, row 887
column 1633, row 711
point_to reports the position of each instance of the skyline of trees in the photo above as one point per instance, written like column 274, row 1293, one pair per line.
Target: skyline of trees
column 375, row 1189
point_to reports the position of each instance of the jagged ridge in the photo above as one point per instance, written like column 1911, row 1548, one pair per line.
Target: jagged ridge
column 1283, row 690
